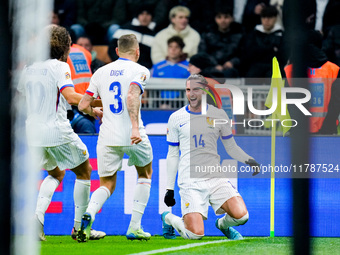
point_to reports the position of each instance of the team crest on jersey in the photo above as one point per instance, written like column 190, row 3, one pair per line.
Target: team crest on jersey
column 187, row 205
column 143, row 78
column 67, row 75
column 210, row 122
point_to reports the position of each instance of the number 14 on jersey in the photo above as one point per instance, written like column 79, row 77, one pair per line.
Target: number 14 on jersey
column 200, row 140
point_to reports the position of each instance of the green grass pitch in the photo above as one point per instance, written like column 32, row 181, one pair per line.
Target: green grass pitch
column 64, row 245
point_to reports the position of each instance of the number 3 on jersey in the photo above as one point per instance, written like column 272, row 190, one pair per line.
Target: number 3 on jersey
column 117, row 106
column 200, row 141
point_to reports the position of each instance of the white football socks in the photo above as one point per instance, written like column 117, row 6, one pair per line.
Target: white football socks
column 178, row 224
column 81, row 196
column 140, row 200
column 228, row 221
column 97, row 201
column 47, row 188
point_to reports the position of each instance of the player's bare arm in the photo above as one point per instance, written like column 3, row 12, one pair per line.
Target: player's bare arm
column 85, row 106
column 133, row 105
column 72, row 97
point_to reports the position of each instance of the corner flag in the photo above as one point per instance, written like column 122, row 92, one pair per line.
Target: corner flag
column 278, row 83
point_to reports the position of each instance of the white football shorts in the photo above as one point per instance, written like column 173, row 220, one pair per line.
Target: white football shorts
column 65, row 156
column 110, row 158
column 197, row 196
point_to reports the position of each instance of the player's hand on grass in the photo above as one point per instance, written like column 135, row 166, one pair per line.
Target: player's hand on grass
column 169, row 199
column 254, row 165
column 135, row 136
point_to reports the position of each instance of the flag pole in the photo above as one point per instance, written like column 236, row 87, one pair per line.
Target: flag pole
column 272, row 182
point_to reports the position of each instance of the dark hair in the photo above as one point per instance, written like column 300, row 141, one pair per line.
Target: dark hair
column 202, row 61
column 269, row 12
column 60, row 41
column 144, row 7
column 177, row 40
column 226, row 10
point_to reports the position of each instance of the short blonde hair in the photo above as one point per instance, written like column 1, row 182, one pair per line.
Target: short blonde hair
column 127, row 44
column 177, row 9
column 198, row 77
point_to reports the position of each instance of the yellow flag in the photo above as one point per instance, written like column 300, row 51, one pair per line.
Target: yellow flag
column 277, row 83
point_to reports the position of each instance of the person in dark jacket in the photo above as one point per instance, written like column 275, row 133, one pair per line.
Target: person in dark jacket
column 331, row 44
column 95, row 19
column 142, row 27
column 261, row 45
column 222, row 42
column 324, row 86
column 85, row 42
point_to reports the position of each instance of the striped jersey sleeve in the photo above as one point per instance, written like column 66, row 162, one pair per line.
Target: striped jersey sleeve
column 92, row 90
column 141, row 78
column 64, row 79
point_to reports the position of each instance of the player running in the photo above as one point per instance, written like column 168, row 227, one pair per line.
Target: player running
column 120, row 85
column 196, row 137
column 47, row 87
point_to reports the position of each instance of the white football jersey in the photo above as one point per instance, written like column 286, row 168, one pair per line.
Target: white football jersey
column 41, row 83
column 196, row 136
column 111, row 83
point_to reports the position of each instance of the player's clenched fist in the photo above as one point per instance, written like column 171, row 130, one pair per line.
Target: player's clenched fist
column 254, row 165
column 169, row 199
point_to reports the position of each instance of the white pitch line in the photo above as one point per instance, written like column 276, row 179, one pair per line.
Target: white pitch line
column 183, row 247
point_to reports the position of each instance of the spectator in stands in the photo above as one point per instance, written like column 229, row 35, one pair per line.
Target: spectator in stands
column 175, row 65
column 142, row 27
column 202, row 13
column 223, row 41
column 86, row 43
column 331, row 44
column 125, row 10
column 203, row 64
column 66, row 11
column 308, row 14
column 96, row 19
column 331, row 16
column 79, row 61
column 55, row 18
column 252, row 13
column 261, row 45
column 325, row 87
column 179, row 26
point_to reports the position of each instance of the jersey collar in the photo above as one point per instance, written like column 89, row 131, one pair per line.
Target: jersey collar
column 196, row 113
column 124, row 59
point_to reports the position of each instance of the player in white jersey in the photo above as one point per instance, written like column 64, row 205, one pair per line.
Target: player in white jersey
column 47, row 87
column 196, row 135
column 120, row 85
